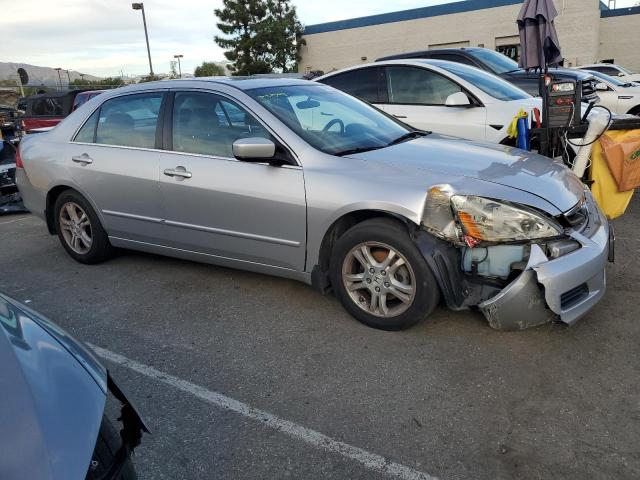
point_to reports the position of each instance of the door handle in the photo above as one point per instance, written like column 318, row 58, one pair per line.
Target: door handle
column 400, row 116
column 84, row 158
column 179, row 172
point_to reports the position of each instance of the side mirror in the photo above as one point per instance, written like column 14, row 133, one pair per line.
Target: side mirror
column 258, row 150
column 602, row 87
column 621, row 74
column 255, row 149
column 458, row 99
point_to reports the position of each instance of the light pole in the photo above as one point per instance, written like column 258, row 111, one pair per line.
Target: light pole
column 140, row 6
column 59, row 77
column 179, row 56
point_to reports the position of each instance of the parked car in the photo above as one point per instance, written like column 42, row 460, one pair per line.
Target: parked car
column 503, row 66
column 319, row 186
column 10, row 200
column 436, row 95
column 8, row 117
column 618, row 96
column 54, row 390
column 46, row 109
column 612, row 70
column 84, row 97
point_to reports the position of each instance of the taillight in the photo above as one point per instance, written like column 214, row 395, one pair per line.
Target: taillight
column 19, row 163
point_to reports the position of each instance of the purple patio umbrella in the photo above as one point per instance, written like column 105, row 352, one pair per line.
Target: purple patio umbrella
column 538, row 36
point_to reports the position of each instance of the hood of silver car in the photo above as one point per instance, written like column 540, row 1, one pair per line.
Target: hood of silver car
column 498, row 164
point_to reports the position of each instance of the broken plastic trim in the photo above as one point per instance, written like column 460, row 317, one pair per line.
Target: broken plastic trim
column 521, row 304
column 131, row 433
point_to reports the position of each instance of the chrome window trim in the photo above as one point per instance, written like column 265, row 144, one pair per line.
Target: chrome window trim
column 298, row 165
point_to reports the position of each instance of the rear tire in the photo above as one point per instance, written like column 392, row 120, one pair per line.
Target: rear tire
column 380, row 276
column 79, row 229
column 107, row 445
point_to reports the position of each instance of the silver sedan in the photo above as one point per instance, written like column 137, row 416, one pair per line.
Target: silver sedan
column 300, row 180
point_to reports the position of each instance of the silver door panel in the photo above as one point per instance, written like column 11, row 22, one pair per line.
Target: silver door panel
column 245, row 211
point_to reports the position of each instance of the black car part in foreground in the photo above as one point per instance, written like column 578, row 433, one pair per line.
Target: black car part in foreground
column 10, row 200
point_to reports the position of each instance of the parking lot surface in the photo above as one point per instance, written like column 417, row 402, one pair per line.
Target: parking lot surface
column 331, row 398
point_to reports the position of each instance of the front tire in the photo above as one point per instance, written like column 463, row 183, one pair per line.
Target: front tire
column 79, row 229
column 380, row 276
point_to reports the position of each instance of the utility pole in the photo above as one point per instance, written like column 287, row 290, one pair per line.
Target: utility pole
column 59, row 78
column 68, row 78
column 179, row 56
column 140, row 6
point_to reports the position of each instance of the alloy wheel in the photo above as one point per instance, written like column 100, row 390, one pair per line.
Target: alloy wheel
column 76, row 228
column 379, row 279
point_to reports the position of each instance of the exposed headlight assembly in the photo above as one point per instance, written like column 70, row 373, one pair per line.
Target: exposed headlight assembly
column 487, row 220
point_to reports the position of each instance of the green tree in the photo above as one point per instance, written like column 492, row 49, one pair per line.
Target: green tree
column 149, row 78
column 96, row 84
column 283, row 32
column 241, row 23
column 173, row 69
column 208, row 69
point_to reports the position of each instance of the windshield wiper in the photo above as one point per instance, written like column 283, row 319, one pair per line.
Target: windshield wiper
column 352, row 151
column 408, row 136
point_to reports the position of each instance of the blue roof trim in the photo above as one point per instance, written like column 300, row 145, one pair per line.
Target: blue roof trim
column 618, row 12
column 404, row 15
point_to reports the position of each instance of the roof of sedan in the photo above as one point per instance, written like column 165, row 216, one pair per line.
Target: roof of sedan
column 242, row 83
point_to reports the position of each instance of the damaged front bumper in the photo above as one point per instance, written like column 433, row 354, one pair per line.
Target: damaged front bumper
column 563, row 288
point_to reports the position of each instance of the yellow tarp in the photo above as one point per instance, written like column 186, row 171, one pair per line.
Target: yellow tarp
column 604, row 188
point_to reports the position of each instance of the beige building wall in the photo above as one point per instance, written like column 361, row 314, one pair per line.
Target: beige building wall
column 620, row 40
column 578, row 30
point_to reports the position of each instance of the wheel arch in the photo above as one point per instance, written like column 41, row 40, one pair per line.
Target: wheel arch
column 53, row 194
column 634, row 111
column 320, row 272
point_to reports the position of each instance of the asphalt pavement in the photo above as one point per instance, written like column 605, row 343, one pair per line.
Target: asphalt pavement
column 245, row 376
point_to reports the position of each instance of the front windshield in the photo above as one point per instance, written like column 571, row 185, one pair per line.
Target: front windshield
column 607, row 78
column 496, row 61
column 330, row 120
column 488, row 83
column 628, row 72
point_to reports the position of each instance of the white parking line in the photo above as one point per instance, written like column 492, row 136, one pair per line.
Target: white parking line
column 370, row 460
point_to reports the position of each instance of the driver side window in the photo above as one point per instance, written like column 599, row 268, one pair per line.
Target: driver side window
column 208, row 124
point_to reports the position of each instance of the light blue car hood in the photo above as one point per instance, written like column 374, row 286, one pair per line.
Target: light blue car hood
column 493, row 163
column 52, row 401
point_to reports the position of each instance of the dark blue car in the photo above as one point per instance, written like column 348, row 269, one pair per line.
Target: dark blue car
column 54, row 390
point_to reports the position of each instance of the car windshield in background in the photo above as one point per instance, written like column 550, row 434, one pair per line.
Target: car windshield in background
column 608, row 78
column 330, row 120
column 488, row 83
column 496, row 61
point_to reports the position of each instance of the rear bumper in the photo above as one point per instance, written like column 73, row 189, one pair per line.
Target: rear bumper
column 34, row 200
column 565, row 288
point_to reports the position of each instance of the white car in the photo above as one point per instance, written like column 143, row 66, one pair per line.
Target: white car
column 613, row 70
column 440, row 96
column 618, row 96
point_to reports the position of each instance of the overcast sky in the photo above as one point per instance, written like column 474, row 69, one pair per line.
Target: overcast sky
column 105, row 37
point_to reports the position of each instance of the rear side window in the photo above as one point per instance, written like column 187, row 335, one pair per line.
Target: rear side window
column 419, row 86
column 129, row 121
column 87, row 133
column 365, row 83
